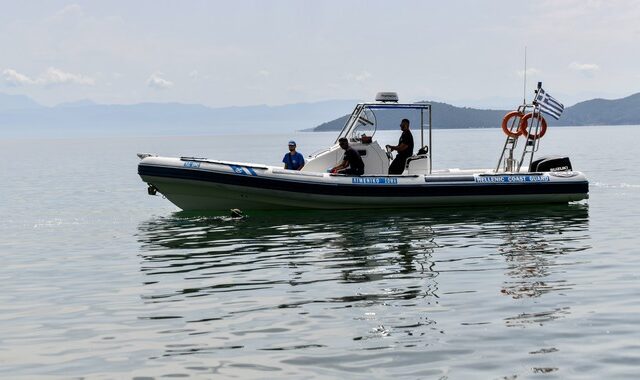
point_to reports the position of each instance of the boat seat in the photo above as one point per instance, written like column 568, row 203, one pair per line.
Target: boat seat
column 419, row 163
column 415, row 158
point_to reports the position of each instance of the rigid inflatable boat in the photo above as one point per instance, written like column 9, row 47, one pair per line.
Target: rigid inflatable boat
column 193, row 183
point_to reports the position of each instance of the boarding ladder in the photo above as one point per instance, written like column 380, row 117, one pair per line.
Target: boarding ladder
column 532, row 143
column 507, row 160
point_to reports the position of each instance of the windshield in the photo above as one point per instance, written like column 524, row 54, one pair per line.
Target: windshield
column 366, row 119
column 347, row 126
column 365, row 125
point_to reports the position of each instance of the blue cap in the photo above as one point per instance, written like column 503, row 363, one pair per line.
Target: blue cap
column 292, row 142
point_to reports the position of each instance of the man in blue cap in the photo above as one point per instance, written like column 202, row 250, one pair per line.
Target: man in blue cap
column 293, row 160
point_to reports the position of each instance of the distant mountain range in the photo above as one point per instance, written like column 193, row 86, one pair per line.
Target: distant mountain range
column 16, row 102
column 22, row 116
column 591, row 112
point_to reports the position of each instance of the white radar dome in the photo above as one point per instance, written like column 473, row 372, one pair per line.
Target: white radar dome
column 387, row 96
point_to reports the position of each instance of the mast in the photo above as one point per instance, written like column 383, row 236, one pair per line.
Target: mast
column 524, row 91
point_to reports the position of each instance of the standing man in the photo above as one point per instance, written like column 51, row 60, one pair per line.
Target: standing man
column 404, row 149
column 293, row 160
column 351, row 162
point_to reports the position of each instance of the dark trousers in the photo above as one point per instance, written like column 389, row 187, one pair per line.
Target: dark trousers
column 397, row 166
column 352, row 171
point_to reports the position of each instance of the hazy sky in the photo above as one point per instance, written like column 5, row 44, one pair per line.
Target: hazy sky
column 222, row 53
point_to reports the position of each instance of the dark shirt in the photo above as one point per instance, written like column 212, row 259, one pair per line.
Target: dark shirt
column 406, row 138
column 353, row 158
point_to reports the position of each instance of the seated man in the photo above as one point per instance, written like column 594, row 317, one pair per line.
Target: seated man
column 351, row 161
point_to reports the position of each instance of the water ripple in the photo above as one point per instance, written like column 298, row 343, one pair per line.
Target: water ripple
column 383, row 280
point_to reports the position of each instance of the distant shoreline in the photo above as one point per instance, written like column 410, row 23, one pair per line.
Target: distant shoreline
column 21, row 116
column 596, row 112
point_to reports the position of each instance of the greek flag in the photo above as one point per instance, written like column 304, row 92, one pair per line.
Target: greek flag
column 548, row 104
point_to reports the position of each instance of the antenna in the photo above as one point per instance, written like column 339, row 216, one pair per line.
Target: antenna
column 524, row 92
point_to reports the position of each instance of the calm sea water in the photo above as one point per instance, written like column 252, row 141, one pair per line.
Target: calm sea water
column 100, row 280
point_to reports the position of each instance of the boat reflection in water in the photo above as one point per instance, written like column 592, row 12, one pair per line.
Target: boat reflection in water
column 294, row 280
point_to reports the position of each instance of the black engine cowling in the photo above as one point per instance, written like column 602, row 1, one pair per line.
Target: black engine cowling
column 551, row 164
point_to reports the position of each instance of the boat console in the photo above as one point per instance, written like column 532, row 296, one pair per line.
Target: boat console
column 360, row 129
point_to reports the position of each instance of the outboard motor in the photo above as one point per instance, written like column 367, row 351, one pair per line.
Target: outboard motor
column 551, row 164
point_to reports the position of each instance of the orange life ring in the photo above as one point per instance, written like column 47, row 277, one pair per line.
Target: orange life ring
column 524, row 126
column 505, row 124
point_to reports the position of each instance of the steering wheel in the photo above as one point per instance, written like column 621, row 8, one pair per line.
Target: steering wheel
column 389, row 155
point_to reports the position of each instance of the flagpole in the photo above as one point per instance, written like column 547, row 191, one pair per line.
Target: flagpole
column 524, row 92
